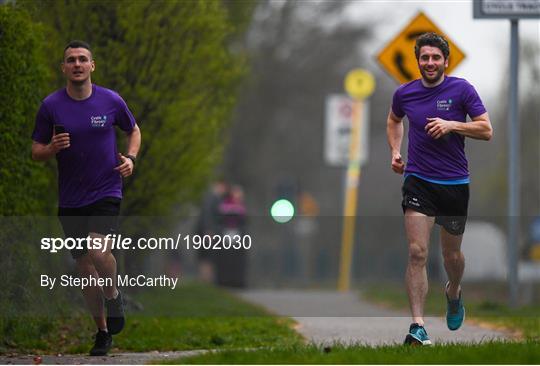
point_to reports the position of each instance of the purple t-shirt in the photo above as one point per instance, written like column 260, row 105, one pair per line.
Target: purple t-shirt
column 86, row 168
column 452, row 100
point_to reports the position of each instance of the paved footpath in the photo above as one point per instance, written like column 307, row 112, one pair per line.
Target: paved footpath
column 135, row 358
column 325, row 317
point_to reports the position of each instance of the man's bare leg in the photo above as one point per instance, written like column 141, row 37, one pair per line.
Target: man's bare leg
column 418, row 227
column 105, row 264
column 454, row 261
column 93, row 295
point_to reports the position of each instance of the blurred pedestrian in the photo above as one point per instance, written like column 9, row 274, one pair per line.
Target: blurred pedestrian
column 76, row 126
column 208, row 224
column 230, row 262
column 436, row 186
column 232, row 212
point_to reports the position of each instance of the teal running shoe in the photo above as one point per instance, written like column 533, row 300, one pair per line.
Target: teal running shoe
column 455, row 311
column 417, row 336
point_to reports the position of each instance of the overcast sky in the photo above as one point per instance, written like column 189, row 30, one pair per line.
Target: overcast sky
column 486, row 42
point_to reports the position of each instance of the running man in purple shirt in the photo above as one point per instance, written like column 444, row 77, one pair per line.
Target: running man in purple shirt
column 76, row 125
column 436, row 186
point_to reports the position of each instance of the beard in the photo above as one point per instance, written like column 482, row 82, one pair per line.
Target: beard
column 432, row 79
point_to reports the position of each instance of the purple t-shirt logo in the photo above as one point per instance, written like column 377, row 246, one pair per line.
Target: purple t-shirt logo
column 444, row 105
column 98, row 121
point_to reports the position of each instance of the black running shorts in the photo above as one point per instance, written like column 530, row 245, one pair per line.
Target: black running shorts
column 447, row 203
column 100, row 217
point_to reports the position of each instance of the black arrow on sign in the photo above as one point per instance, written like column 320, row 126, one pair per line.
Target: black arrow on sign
column 414, row 35
column 399, row 58
column 398, row 61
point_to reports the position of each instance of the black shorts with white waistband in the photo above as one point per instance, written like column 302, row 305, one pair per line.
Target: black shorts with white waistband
column 100, row 217
column 448, row 203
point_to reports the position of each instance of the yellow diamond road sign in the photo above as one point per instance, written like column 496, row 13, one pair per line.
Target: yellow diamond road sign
column 398, row 57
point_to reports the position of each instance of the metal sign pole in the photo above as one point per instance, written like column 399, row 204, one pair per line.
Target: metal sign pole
column 359, row 84
column 351, row 198
column 514, row 172
column 512, row 10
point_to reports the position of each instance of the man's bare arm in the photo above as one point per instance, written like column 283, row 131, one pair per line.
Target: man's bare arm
column 134, row 141
column 133, row 145
column 42, row 152
column 479, row 128
column 394, row 133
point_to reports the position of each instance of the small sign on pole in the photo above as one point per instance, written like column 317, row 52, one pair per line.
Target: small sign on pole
column 338, row 130
column 506, row 9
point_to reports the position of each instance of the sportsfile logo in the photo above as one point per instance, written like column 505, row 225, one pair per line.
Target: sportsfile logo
column 98, row 121
column 444, row 105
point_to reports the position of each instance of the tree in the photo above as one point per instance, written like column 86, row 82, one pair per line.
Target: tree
column 23, row 183
column 170, row 61
column 23, row 73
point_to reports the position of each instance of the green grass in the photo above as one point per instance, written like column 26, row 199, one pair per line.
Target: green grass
column 484, row 304
column 486, row 353
column 201, row 318
column 52, row 334
column 190, row 317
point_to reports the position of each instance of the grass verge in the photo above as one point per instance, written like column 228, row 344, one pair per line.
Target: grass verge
column 191, row 317
column 486, row 353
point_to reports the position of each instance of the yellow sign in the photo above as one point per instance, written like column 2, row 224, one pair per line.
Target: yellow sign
column 359, row 83
column 398, row 57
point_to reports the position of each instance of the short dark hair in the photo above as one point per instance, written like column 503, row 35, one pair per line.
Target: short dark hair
column 433, row 40
column 77, row 44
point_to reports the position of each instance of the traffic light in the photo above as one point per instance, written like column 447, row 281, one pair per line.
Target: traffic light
column 282, row 210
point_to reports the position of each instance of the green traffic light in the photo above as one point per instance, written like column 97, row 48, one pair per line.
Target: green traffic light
column 282, row 211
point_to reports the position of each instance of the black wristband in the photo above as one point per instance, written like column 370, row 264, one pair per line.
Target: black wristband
column 132, row 158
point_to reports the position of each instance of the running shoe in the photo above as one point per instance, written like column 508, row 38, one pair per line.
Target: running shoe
column 102, row 345
column 115, row 314
column 455, row 311
column 417, row 336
